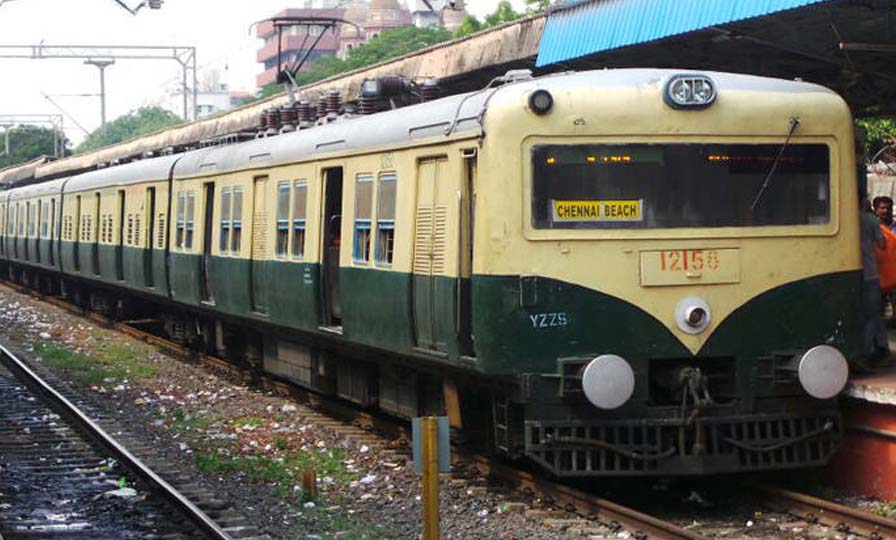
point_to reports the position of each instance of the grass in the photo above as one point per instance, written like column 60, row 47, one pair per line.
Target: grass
column 285, row 472
column 886, row 510
column 111, row 363
column 183, row 422
column 253, row 421
column 336, row 521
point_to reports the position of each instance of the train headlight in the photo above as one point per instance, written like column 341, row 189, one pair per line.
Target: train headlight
column 541, row 101
column 823, row 371
column 608, row 381
column 689, row 92
column 692, row 315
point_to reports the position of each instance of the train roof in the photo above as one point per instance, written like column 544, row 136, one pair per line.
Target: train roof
column 407, row 124
column 53, row 187
column 121, row 175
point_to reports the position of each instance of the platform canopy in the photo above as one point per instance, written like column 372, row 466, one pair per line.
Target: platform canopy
column 848, row 45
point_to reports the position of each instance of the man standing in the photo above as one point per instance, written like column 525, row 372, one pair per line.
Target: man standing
column 875, row 333
column 883, row 207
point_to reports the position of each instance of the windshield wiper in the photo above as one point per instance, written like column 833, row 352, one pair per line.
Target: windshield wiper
column 794, row 123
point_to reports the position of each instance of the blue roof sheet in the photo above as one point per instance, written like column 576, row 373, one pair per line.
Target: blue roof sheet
column 580, row 28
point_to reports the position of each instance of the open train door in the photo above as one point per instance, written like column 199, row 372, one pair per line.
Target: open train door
column 433, row 301
column 331, row 227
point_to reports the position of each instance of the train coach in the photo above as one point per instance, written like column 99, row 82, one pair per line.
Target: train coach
column 618, row 272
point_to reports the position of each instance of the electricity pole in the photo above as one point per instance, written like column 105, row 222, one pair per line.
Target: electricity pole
column 102, row 64
column 184, row 56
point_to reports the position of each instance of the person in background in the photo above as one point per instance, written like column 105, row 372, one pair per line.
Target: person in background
column 883, row 207
column 875, row 333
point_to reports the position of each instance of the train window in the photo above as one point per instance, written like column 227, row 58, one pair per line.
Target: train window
column 363, row 208
column 299, row 212
column 179, row 237
column 385, row 218
column 648, row 186
column 20, row 220
column 237, row 223
column 225, row 220
column 282, row 219
column 191, row 204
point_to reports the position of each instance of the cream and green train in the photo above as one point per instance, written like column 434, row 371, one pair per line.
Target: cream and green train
column 619, row 272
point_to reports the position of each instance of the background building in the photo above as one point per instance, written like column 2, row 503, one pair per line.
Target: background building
column 371, row 18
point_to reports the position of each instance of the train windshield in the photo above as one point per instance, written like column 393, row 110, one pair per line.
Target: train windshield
column 649, row 186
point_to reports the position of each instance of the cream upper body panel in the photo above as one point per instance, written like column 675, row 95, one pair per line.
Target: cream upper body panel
column 627, row 106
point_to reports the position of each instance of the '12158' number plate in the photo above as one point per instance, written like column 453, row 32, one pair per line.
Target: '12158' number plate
column 685, row 266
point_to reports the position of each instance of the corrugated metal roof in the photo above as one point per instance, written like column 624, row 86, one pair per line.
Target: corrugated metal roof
column 580, row 27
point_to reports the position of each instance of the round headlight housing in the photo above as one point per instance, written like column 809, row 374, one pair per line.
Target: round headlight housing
column 541, row 101
column 608, row 381
column 823, row 372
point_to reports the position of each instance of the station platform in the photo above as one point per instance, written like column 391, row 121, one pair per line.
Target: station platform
column 866, row 464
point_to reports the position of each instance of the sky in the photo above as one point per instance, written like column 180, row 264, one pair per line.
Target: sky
column 225, row 50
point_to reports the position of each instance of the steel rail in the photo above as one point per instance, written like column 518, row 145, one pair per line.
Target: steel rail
column 641, row 525
column 119, row 452
column 844, row 519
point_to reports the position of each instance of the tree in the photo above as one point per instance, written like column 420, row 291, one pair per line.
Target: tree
column 879, row 132
column 504, row 13
column 27, row 143
column 536, row 6
column 140, row 122
column 469, row 25
column 389, row 44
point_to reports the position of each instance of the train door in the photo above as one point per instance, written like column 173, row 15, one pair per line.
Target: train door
column 208, row 226
column 260, row 235
column 26, row 236
column 331, row 228
column 430, row 265
column 51, row 241
column 148, row 277
column 119, row 246
column 76, row 249
column 40, row 229
column 465, row 266
column 18, row 229
column 93, row 223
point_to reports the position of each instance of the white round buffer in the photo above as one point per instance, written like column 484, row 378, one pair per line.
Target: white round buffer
column 608, row 381
column 823, row 372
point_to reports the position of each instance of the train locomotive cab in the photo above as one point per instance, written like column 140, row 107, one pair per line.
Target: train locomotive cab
column 666, row 271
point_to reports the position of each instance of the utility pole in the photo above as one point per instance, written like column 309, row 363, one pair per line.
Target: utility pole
column 184, row 56
column 6, row 138
column 55, row 121
column 102, row 64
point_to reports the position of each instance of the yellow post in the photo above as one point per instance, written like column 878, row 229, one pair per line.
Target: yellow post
column 430, row 483
column 309, row 485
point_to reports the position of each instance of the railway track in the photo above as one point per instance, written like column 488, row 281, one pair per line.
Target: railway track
column 613, row 515
column 844, row 519
column 61, row 470
column 642, row 526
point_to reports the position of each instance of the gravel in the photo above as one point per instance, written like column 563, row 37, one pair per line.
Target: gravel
column 366, row 489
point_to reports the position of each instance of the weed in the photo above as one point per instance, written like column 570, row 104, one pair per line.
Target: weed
column 112, row 362
column 885, row 509
column 280, row 443
column 185, row 422
column 253, row 421
column 285, row 472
